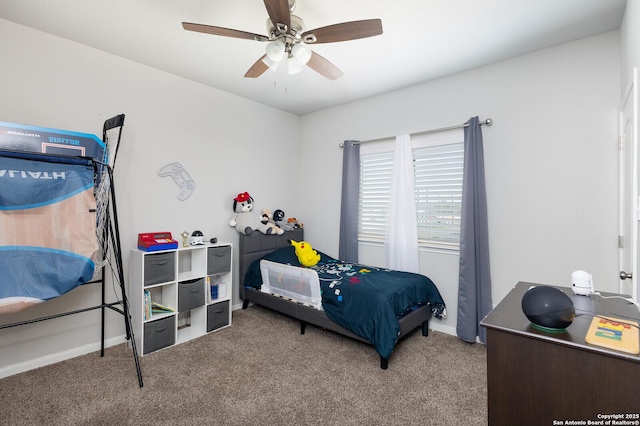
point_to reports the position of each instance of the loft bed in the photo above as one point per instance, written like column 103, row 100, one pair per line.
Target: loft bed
column 58, row 219
column 290, row 291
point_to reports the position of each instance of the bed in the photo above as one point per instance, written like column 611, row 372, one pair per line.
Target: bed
column 403, row 301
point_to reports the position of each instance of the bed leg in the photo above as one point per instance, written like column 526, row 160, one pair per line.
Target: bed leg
column 245, row 304
column 303, row 326
column 425, row 328
column 384, row 363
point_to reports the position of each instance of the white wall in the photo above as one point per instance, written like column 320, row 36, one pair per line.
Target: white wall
column 630, row 41
column 550, row 158
column 50, row 82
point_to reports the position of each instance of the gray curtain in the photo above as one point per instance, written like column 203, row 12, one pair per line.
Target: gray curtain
column 348, row 250
column 474, row 286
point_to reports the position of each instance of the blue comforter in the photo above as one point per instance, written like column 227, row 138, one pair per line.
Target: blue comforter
column 364, row 299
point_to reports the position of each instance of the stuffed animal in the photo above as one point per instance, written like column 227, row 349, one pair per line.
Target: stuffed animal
column 245, row 220
column 292, row 221
column 267, row 216
column 278, row 217
column 307, row 256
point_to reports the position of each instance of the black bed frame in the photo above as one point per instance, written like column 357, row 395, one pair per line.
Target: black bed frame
column 256, row 245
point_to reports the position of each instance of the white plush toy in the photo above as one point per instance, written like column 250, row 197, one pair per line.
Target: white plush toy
column 245, row 220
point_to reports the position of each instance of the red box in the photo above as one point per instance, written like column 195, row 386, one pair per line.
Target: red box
column 154, row 241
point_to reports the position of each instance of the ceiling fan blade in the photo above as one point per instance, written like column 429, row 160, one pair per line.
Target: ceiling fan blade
column 344, row 31
column 279, row 12
column 324, row 67
column 257, row 69
column 225, row 32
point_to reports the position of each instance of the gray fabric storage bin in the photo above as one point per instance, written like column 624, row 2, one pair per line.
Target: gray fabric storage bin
column 159, row 268
column 217, row 315
column 159, row 334
column 190, row 294
column 218, row 260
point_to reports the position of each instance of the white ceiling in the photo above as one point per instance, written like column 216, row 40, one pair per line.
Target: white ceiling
column 422, row 39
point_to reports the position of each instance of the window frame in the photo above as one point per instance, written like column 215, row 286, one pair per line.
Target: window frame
column 383, row 150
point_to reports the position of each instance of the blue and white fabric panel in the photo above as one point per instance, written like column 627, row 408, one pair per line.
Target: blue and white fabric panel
column 48, row 240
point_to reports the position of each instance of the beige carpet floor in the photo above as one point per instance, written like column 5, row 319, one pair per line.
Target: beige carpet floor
column 259, row 371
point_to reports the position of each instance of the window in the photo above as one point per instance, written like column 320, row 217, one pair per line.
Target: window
column 375, row 185
column 438, row 185
column 438, row 164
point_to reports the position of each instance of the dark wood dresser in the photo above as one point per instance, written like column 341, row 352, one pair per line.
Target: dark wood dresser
column 538, row 377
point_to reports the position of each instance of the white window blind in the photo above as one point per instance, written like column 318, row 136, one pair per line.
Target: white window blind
column 375, row 184
column 438, row 185
column 438, row 165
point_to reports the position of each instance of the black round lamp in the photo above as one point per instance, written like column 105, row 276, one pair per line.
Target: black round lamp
column 548, row 308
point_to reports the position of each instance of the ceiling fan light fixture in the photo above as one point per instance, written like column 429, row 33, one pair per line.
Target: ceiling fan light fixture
column 273, row 65
column 287, row 38
column 301, row 53
column 293, row 65
column 275, row 50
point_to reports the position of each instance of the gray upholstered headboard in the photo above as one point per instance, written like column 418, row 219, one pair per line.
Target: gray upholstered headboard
column 256, row 245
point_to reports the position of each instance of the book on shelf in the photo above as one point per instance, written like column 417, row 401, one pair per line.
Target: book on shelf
column 151, row 307
column 147, row 305
column 159, row 308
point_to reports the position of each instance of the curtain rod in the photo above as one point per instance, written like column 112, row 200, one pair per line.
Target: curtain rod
column 488, row 122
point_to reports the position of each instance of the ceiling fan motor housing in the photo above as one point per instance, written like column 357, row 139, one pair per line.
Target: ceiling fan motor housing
column 289, row 36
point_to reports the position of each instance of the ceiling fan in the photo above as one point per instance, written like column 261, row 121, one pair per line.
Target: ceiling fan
column 288, row 38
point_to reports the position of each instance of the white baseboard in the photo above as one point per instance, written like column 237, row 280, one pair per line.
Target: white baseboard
column 32, row 364
column 447, row 329
column 442, row 328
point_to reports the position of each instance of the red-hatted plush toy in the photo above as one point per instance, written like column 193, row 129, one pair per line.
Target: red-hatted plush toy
column 245, row 220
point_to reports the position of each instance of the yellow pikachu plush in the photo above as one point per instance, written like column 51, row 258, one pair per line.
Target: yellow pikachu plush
column 307, row 256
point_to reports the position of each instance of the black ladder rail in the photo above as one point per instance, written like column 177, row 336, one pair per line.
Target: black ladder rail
column 112, row 123
column 117, row 249
column 63, row 314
